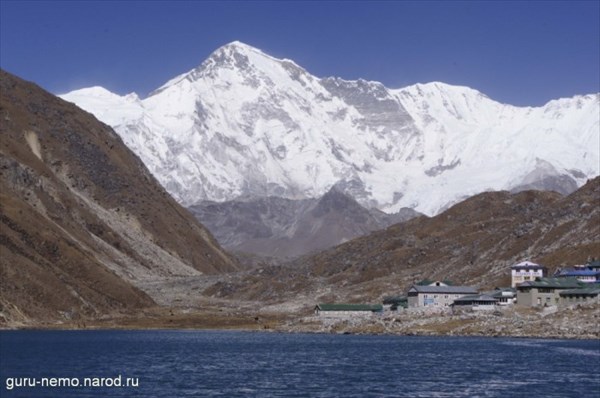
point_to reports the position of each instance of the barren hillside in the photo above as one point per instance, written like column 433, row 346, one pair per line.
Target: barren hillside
column 82, row 221
column 473, row 243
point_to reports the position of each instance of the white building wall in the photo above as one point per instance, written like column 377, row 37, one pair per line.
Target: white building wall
column 524, row 275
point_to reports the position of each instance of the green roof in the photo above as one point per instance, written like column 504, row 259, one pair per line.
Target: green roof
column 584, row 291
column 394, row 299
column 552, row 283
column 350, row 307
column 475, row 297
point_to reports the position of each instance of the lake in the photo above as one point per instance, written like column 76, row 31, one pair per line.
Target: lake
column 252, row 364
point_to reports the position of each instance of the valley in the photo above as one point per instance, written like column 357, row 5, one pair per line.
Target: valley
column 91, row 239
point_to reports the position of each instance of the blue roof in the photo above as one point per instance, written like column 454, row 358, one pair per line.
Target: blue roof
column 583, row 272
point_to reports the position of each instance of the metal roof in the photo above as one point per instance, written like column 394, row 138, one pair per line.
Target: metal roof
column 500, row 293
column 584, row 291
column 552, row 283
column 475, row 297
column 394, row 299
column 444, row 289
column 350, row 307
column 579, row 272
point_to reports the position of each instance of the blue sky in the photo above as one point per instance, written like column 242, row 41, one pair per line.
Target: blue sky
column 523, row 53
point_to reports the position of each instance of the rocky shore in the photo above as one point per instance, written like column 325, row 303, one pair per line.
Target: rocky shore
column 578, row 322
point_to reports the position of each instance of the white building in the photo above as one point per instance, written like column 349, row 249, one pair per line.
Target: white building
column 526, row 271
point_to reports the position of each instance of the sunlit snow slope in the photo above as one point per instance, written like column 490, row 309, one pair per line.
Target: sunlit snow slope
column 245, row 124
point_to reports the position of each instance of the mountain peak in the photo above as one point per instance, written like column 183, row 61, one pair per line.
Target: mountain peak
column 247, row 123
column 95, row 91
column 230, row 56
column 440, row 88
column 335, row 200
column 237, row 45
column 234, row 50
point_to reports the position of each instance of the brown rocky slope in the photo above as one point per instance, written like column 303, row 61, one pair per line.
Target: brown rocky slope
column 284, row 228
column 473, row 243
column 83, row 224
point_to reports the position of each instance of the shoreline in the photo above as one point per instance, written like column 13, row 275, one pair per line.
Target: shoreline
column 410, row 334
column 580, row 323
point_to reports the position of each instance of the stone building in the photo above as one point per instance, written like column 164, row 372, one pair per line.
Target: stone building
column 436, row 295
column 587, row 294
column 544, row 291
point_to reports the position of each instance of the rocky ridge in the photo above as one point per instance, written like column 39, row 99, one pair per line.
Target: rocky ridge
column 279, row 228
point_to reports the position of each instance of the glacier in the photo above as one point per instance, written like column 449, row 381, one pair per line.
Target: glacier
column 244, row 124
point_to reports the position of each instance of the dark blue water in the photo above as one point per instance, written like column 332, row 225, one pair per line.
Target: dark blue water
column 245, row 364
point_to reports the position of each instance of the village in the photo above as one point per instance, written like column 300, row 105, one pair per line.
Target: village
column 530, row 287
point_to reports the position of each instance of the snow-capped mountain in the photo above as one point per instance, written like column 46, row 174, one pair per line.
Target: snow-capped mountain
column 245, row 124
